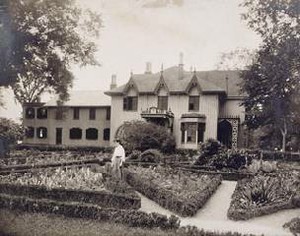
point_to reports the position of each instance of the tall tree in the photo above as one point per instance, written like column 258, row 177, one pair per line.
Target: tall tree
column 273, row 80
column 40, row 40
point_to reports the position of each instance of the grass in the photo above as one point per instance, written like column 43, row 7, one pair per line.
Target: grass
column 16, row 223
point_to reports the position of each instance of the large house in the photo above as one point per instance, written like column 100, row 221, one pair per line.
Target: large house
column 193, row 105
column 84, row 120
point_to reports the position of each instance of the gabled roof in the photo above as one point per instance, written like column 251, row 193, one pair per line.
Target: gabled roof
column 209, row 81
column 82, row 98
column 161, row 83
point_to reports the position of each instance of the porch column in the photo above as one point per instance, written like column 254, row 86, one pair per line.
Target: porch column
column 235, row 131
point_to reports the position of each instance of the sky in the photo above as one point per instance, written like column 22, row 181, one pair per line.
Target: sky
column 138, row 31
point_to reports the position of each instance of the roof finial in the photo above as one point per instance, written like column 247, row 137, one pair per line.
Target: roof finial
column 195, row 70
column 131, row 73
column 162, row 68
column 226, row 78
column 181, row 59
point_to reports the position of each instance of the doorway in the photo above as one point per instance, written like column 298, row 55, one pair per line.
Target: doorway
column 58, row 136
column 225, row 133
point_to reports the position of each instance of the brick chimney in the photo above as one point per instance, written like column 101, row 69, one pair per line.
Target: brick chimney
column 113, row 82
column 180, row 66
column 148, row 68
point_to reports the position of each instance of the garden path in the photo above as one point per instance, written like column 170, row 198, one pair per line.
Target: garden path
column 213, row 216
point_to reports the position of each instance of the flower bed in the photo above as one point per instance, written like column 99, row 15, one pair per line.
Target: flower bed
column 35, row 157
column 264, row 195
column 175, row 190
column 80, row 185
column 131, row 218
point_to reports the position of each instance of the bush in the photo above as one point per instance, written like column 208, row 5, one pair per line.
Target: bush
column 262, row 166
column 151, row 155
column 135, row 155
column 11, row 130
column 141, row 135
column 214, row 154
column 293, row 225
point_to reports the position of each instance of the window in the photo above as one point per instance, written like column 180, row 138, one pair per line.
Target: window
column 92, row 114
column 162, row 102
column 29, row 132
column 76, row 113
column 59, row 113
column 108, row 113
column 42, row 113
column 106, row 134
column 193, row 103
column 91, row 134
column 191, row 132
column 29, row 113
column 75, row 133
column 130, row 103
column 41, row 132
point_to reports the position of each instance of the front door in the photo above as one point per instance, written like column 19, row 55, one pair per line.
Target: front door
column 58, row 136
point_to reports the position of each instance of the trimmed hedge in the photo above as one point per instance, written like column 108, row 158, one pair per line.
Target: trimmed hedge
column 131, row 218
column 127, row 200
column 246, row 214
column 169, row 200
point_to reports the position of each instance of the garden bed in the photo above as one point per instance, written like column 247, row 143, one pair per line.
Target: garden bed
column 35, row 157
column 175, row 190
column 264, row 195
column 79, row 185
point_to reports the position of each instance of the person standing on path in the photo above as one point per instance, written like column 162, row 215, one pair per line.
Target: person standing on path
column 117, row 160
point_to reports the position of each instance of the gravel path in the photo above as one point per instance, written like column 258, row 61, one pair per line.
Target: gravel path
column 213, row 216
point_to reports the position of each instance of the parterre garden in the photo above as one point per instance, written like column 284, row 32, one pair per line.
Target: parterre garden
column 82, row 189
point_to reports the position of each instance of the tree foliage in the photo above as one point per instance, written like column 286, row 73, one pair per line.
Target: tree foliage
column 40, row 40
column 141, row 135
column 11, row 130
column 273, row 80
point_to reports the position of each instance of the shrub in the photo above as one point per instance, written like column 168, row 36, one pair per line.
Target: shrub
column 214, row 154
column 135, row 155
column 262, row 166
column 11, row 130
column 151, row 155
column 141, row 135
column 293, row 225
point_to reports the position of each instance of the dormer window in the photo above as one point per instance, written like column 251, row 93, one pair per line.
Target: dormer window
column 162, row 102
column 130, row 103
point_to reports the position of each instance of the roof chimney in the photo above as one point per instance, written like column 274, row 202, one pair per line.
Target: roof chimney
column 148, row 68
column 113, row 82
column 180, row 66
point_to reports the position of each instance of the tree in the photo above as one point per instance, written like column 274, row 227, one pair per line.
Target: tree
column 141, row 135
column 39, row 41
column 11, row 130
column 272, row 81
